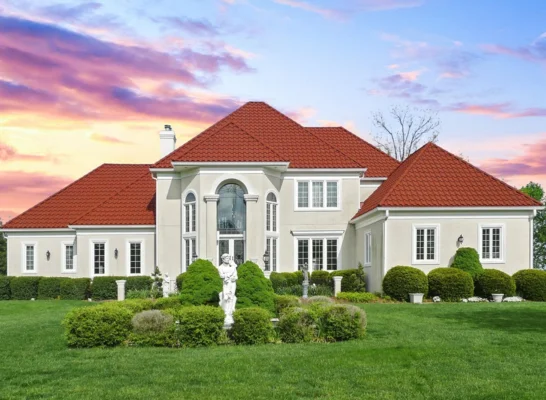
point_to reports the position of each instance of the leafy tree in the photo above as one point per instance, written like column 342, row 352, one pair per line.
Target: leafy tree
column 406, row 131
column 3, row 254
column 536, row 191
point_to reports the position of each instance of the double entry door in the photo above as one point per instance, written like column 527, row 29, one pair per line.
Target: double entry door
column 234, row 245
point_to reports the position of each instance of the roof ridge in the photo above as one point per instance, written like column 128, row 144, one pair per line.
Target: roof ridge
column 109, row 198
column 481, row 171
column 416, row 155
column 52, row 196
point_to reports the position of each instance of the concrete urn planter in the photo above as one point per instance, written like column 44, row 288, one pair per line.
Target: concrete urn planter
column 416, row 298
column 497, row 297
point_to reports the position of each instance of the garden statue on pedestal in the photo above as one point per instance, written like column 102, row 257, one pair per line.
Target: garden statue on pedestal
column 305, row 284
column 166, row 285
column 228, row 273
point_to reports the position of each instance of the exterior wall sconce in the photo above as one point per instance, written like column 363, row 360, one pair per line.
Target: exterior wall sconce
column 460, row 240
column 194, row 257
column 266, row 259
column 48, row 255
column 116, row 254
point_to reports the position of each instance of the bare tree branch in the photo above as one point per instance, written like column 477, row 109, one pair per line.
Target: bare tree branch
column 407, row 131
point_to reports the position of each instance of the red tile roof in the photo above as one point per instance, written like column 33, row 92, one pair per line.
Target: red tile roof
column 433, row 177
column 272, row 137
column 87, row 193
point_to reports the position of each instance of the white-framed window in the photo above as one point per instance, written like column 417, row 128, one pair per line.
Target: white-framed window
column 190, row 213
column 134, row 252
column 425, row 244
column 317, row 194
column 68, row 253
column 189, row 248
column 368, row 248
column 189, row 239
column 320, row 253
column 29, row 262
column 271, row 207
column 272, row 248
column 272, row 230
column 99, row 257
column 491, row 243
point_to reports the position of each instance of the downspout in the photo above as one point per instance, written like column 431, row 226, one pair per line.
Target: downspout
column 385, row 238
column 532, row 238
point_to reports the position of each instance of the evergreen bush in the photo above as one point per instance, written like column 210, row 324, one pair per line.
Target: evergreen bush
column 281, row 280
column 282, row 302
column 151, row 321
column 200, row 325
column 180, row 281
column 321, row 278
column 491, row 281
column 167, row 302
column 451, row 284
column 24, row 287
column 138, row 283
column 296, row 325
column 358, row 297
column 105, row 287
column 202, row 284
column 400, row 281
column 253, row 288
column 468, row 260
column 354, row 280
column 531, row 284
column 341, row 322
column 252, row 326
column 75, row 289
column 5, row 290
column 49, row 288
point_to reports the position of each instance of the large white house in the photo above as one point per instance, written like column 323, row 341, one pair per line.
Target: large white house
column 257, row 182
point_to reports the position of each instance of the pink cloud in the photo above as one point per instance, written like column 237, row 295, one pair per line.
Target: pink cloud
column 497, row 110
column 9, row 153
column 97, row 137
column 535, row 52
column 301, row 115
column 303, row 5
column 531, row 163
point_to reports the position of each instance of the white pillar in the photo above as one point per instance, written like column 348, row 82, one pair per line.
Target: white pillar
column 267, row 274
column 167, row 141
column 121, row 289
column 254, row 237
column 211, row 227
column 337, row 285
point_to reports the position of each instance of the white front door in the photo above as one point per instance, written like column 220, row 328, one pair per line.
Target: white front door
column 234, row 245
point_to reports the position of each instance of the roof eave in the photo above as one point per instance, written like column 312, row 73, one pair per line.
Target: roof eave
column 179, row 166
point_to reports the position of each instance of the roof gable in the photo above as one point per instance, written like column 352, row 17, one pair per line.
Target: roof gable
column 433, row 177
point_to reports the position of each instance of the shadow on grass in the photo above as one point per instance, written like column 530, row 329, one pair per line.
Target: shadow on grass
column 510, row 318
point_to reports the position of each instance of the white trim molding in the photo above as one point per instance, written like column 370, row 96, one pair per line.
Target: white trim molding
column 24, row 270
column 318, row 233
column 425, row 261
column 368, row 248
column 502, row 243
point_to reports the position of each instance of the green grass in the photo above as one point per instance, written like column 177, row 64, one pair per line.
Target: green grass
column 431, row 351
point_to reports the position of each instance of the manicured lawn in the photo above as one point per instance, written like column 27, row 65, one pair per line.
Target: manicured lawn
column 432, row 351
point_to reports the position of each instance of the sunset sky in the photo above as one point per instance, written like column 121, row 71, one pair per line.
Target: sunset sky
column 84, row 83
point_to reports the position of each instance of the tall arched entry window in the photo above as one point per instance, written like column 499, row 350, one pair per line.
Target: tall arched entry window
column 231, row 222
column 189, row 233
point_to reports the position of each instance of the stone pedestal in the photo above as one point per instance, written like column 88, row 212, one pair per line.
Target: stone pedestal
column 267, row 274
column 121, row 289
column 337, row 285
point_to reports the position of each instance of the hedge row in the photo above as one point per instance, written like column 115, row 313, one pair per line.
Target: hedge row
column 49, row 288
column 354, row 280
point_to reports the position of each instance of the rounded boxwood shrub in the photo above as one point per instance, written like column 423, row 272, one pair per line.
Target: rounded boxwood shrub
column 97, row 326
column 320, row 299
column 296, row 325
column 5, row 290
column 180, row 281
column 251, row 326
column 283, row 302
column 202, row 284
column 467, row 259
column 24, row 287
column 531, row 284
column 321, row 278
column 285, row 279
column 354, row 280
column 75, row 289
column 105, row 287
column 50, row 288
column 400, row 281
column 451, row 284
column 253, row 288
column 491, row 281
column 138, row 283
column 151, row 321
column 133, row 305
column 341, row 322
column 199, row 325
column 357, row 297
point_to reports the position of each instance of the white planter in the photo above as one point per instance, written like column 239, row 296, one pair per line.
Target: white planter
column 416, row 298
column 497, row 297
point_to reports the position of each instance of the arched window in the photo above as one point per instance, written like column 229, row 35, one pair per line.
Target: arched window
column 231, row 209
column 271, row 213
column 271, row 230
column 190, row 215
column 190, row 229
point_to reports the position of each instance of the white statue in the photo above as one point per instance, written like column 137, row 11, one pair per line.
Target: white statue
column 228, row 273
column 166, row 285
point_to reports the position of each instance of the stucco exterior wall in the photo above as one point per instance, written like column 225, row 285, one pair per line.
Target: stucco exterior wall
column 168, row 224
column 374, row 271
column 367, row 188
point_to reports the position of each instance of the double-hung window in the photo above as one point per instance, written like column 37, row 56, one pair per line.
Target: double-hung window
column 135, row 253
column 317, row 194
column 99, row 258
column 318, row 253
column 425, row 244
column 492, row 243
column 68, row 257
column 368, row 248
column 271, row 230
column 29, row 258
column 190, row 229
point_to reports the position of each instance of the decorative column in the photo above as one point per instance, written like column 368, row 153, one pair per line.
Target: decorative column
column 337, row 285
column 121, row 289
column 254, row 229
column 210, row 226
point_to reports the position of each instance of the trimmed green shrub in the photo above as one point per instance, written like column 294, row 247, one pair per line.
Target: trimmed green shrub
column 97, row 326
column 253, row 288
column 133, row 305
column 105, row 287
column 313, row 290
column 24, row 287
column 75, row 289
column 180, row 281
column 138, row 294
column 491, row 281
column 284, row 279
column 200, row 325
column 151, row 321
column 354, row 280
column 167, row 302
column 202, row 284
column 467, row 259
column 357, row 297
column 5, row 290
column 531, row 284
column 50, row 288
column 282, row 302
column 319, row 299
column 138, row 283
column 251, row 326
column 400, row 281
column 451, row 284
column 341, row 322
column 321, row 278
column 296, row 325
